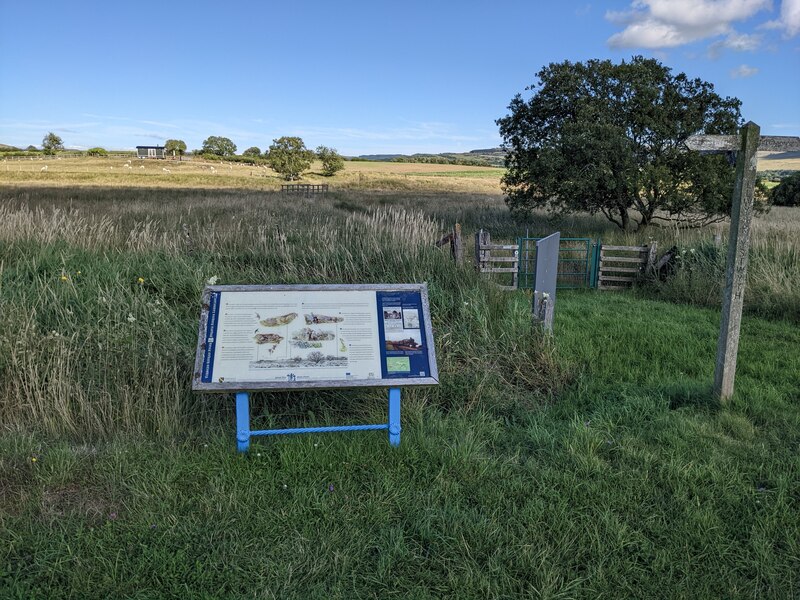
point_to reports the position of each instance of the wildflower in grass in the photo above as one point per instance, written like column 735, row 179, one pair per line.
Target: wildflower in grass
column 131, row 318
column 112, row 516
column 140, row 280
column 63, row 278
column 212, row 280
column 77, row 272
column 34, row 459
column 330, row 488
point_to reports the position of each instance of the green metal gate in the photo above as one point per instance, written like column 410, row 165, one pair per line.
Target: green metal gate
column 577, row 263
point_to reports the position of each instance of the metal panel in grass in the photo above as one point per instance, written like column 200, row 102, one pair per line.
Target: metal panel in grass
column 544, row 293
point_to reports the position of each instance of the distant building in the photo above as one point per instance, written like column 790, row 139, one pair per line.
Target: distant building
column 150, row 151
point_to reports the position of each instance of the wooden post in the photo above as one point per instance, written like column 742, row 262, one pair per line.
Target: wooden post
column 736, row 269
column 457, row 245
column 482, row 238
column 652, row 253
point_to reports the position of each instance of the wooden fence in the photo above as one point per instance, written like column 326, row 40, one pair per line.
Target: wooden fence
column 305, row 189
column 496, row 258
column 621, row 266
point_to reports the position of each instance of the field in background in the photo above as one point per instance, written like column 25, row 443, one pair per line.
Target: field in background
column 199, row 173
column 594, row 464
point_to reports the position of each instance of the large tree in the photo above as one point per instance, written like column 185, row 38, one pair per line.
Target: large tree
column 51, row 142
column 288, row 156
column 610, row 138
column 175, row 147
column 332, row 161
column 221, row 146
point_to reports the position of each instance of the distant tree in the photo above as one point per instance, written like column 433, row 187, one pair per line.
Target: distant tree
column 31, row 148
column 787, row 192
column 610, row 138
column 288, row 156
column 252, row 151
column 332, row 161
column 221, row 146
column 51, row 142
column 175, row 146
column 97, row 152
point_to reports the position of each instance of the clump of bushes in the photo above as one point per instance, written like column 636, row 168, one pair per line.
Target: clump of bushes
column 787, row 192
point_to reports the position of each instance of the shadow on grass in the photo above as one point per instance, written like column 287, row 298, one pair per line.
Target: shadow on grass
column 689, row 394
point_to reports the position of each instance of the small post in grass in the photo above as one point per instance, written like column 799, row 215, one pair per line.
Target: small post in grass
column 457, row 245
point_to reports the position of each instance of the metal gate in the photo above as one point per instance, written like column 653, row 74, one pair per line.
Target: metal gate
column 577, row 263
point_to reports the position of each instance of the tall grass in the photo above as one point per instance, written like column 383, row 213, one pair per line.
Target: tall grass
column 100, row 296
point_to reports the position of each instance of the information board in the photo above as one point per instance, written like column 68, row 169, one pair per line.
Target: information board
column 314, row 336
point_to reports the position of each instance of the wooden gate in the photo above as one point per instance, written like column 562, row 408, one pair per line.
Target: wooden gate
column 496, row 258
column 621, row 266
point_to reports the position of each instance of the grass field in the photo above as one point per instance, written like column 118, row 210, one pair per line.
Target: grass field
column 594, row 464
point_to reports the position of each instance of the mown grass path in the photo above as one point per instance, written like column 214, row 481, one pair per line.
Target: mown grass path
column 634, row 484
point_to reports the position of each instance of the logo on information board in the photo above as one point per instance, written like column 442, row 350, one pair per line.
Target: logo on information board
column 291, row 377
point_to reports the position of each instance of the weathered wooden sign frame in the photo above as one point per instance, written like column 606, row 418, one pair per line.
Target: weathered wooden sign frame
column 392, row 320
column 744, row 147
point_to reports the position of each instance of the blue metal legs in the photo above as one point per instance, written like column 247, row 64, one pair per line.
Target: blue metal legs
column 243, row 421
column 243, row 432
column 394, row 416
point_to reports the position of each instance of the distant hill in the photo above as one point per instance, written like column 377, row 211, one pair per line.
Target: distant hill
column 7, row 148
column 487, row 157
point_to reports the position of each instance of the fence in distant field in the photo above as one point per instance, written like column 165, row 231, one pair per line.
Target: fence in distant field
column 305, row 189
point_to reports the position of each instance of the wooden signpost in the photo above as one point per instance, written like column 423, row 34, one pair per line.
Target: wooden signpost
column 745, row 147
column 289, row 337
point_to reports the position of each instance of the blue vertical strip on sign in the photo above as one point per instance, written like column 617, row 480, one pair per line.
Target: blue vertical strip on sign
column 211, row 337
column 414, row 354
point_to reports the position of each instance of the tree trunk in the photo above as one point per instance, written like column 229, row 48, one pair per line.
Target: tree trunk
column 626, row 220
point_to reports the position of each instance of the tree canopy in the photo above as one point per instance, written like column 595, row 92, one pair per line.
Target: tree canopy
column 332, row 161
column 51, row 142
column 288, row 156
column 176, row 146
column 252, row 151
column 221, row 146
column 610, row 138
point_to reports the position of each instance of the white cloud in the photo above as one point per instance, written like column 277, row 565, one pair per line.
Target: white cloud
column 670, row 23
column 743, row 71
column 739, row 42
column 789, row 20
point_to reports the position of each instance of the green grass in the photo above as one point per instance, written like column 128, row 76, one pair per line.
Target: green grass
column 593, row 465
column 632, row 484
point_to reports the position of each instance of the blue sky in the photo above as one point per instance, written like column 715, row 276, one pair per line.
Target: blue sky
column 363, row 77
